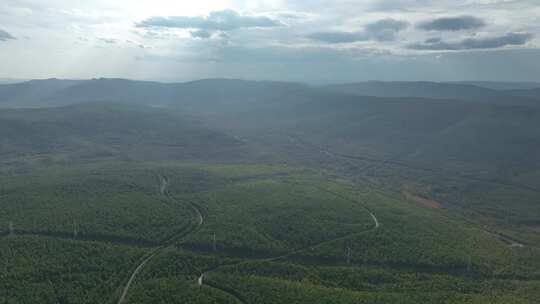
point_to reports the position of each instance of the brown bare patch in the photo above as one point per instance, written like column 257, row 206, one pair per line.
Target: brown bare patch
column 424, row 201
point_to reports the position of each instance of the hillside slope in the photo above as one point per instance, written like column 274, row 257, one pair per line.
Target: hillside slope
column 105, row 130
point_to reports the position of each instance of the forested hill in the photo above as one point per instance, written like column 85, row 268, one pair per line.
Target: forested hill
column 431, row 131
column 109, row 130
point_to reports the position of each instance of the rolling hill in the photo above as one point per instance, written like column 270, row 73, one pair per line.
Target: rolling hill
column 429, row 128
column 476, row 141
column 107, row 130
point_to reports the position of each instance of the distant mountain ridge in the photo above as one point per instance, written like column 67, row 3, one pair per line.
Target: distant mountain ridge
column 11, row 80
column 495, row 127
column 436, row 90
column 493, row 137
column 501, row 85
column 57, row 92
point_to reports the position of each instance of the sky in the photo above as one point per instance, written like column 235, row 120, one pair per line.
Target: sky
column 316, row 41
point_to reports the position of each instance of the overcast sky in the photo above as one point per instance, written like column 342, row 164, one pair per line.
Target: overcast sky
column 313, row 41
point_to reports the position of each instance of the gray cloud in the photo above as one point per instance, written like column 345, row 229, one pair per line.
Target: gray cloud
column 433, row 40
column 382, row 30
column 293, row 16
column 385, row 29
column 452, row 24
column 387, row 24
column 5, row 36
column 202, row 34
column 436, row 44
column 339, row 37
column 225, row 20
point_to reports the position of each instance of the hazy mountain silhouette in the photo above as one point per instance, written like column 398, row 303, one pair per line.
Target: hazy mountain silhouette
column 433, row 90
column 487, row 128
column 500, row 85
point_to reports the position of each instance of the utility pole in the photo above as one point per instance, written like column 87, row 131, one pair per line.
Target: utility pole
column 11, row 228
column 214, row 242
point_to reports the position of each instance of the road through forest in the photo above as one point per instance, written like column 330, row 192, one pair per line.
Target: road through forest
column 164, row 191
column 376, row 225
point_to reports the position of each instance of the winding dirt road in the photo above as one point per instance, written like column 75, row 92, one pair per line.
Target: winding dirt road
column 376, row 225
column 164, row 191
column 132, row 277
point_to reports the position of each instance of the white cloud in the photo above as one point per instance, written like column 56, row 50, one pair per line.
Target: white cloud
column 224, row 20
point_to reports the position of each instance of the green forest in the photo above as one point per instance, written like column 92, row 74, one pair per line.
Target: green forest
column 217, row 233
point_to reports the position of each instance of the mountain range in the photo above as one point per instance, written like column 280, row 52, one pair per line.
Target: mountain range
column 54, row 92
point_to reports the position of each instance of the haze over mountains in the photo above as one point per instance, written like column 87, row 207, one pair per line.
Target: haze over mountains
column 53, row 92
column 463, row 91
column 497, row 85
column 10, row 80
column 441, row 124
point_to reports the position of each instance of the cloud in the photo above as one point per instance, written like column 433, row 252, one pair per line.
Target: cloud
column 138, row 44
column 338, row 37
column 433, row 40
column 108, row 40
column 202, row 34
column 387, row 24
column 452, row 24
column 292, row 16
column 385, row 29
column 225, row 20
column 382, row 30
column 224, row 35
column 436, row 44
column 5, row 36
